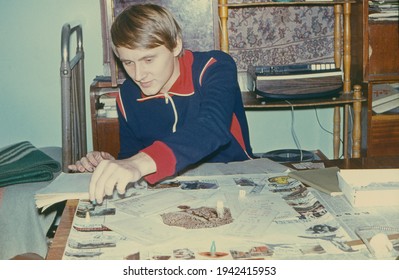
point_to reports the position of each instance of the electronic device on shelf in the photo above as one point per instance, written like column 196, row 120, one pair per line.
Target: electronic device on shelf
column 297, row 81
column 295, row 69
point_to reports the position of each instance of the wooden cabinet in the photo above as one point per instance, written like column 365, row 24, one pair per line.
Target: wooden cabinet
column 105, row 129
column 375, row 57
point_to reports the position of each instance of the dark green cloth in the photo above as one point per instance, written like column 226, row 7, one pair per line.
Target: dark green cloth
column 24, row 163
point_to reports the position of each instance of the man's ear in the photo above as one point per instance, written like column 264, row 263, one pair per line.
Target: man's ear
column 179, row 47
column 115, row 49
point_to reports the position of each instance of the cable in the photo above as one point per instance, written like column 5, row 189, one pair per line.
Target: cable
column 295, row 138
column 321, row 126
column 298, row 145
column 350, row 138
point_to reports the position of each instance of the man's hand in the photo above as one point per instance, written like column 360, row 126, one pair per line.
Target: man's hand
column 90, row 161
column 111, row 174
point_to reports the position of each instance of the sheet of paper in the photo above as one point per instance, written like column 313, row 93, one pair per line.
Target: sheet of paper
column 65, row 186
column 283, row 214
column 252, row 223
column 155, row 202
column 91, row 239
column 149, row 231
column 255, row 166
column 68, row 183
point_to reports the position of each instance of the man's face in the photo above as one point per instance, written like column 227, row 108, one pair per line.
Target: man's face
column 153, row 70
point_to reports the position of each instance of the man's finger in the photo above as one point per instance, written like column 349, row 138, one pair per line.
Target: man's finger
column 94, row 158
column 93, row 181
column 121, row 186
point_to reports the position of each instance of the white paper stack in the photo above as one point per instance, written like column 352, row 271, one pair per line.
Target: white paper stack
column 370, row 187
column 65, row 186
column 385, row 97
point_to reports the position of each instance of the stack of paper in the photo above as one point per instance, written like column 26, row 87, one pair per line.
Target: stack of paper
column 107, row 103
column 385, row 97
column 65, row 186
column 370, row 187
column 384, row 10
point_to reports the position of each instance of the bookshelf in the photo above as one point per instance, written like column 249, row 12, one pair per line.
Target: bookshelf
column 342, row 58
column 375, row 57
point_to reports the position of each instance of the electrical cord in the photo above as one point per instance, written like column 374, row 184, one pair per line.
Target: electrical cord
column 294, row 136
column 351, row 128
column 329, row 132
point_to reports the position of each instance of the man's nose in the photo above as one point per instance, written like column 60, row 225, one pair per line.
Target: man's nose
column 139, row 73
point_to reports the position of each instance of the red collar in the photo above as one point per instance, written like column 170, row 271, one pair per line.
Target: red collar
column 184, row 83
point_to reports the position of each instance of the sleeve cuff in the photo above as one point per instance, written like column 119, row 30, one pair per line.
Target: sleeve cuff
column 165, row 161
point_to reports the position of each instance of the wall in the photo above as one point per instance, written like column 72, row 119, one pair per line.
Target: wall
column 30, row 61
column 30, row 85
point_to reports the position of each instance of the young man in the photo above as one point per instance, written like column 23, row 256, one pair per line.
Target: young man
column 178, row 108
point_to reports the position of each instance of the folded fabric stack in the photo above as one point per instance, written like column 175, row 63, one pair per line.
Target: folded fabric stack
column 24, row 163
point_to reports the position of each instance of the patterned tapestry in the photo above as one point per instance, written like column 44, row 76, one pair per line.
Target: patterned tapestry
column 268, row 35
column 272, row 35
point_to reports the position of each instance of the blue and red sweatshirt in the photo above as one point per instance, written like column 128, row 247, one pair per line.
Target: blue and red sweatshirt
column 200, row 119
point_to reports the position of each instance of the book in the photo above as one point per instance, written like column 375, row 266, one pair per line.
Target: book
column 387, row 106
column 323, row 179
column 385, row 97
column 65, row 186
column 384, row 10
column 370, row 187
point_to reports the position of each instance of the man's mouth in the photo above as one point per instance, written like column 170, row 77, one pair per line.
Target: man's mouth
column 145, row 84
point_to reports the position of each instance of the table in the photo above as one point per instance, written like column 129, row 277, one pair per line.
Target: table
column 58, row 246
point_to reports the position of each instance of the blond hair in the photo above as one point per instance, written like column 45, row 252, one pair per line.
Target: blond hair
column 145, row 26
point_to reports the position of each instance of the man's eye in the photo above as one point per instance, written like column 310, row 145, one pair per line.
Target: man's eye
column 127, row 62
column 148, row 60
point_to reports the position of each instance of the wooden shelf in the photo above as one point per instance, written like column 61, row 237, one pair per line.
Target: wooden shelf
column 386, row 116
column 342, row 41
column 376, row 61
column 293, row 3
column 252, row 102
